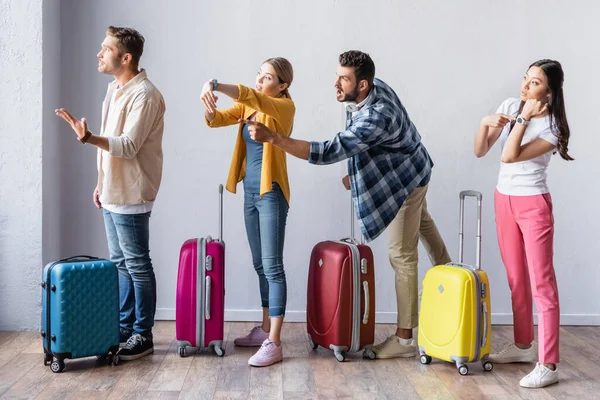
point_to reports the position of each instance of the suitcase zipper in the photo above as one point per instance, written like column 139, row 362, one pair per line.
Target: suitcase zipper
column 356, row 317
column 200, row 276
column 478, row 312
column 478, row 308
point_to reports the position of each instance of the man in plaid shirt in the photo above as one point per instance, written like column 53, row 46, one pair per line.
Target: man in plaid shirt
column 388, row 173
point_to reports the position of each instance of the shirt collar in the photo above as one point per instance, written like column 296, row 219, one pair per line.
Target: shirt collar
column 132, row 82
column 368, row 100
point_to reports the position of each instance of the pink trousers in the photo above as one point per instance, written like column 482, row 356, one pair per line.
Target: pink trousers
column 525, row 228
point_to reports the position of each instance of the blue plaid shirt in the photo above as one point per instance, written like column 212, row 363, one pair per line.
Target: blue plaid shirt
column 386, row 159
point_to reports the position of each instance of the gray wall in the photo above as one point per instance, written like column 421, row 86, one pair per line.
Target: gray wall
column 450, row 63
column 20, row 163
column 54, row 152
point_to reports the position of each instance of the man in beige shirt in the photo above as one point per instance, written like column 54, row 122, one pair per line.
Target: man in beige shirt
column 129, row 162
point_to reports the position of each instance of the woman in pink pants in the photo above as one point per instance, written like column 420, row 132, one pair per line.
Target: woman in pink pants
column 530, row 129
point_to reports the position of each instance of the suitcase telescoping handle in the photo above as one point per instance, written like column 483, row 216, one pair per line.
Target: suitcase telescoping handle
column 221, row 213
column 478, row 196
column 346, row 116
column 352, row 224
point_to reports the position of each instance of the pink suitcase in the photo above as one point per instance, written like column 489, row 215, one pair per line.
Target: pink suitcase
column 200, row 306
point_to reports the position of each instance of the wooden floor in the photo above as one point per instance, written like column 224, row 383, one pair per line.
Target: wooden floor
column 304, row 374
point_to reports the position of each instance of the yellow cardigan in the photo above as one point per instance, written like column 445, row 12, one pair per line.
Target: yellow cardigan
column 277, row 113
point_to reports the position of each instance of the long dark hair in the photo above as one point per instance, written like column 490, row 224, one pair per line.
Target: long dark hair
column 556, row 106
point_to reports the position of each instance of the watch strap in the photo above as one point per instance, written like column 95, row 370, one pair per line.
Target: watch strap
column 85, row 137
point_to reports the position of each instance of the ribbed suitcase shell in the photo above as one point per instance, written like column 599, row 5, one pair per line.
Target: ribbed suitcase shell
column 80, row 308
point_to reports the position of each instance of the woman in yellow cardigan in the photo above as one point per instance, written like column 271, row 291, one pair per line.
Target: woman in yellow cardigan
column 263, row 169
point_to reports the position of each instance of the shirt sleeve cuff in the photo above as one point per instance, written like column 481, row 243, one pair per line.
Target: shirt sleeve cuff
column 210, row 123
column 115, row 146
column 316, row 153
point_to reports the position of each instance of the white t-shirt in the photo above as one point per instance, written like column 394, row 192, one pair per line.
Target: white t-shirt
column 525, row 178
column 141, row 208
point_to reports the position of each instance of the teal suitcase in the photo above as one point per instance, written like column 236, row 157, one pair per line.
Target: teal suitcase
column 80, row 310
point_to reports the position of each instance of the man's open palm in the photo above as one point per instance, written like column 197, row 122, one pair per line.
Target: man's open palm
column 79, row 126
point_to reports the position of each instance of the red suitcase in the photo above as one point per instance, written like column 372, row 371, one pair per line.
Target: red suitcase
column 340, row 311
column 200, row 302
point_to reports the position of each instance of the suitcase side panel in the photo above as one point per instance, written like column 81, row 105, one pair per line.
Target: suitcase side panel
column 214, row 320
column 186, row 298
column 44, row 316
column 84, row 308
column 330, row 295
column 367, row 279
column 448, row 318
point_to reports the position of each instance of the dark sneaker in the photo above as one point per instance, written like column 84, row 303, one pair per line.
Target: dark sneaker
column 123, row 338
column 136, row 347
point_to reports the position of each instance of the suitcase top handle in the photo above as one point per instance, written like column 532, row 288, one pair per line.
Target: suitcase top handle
column 478, row 196
column 470, row 193
column 78, row 258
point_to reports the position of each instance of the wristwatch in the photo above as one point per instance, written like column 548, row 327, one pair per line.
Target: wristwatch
column 522, row 121
column 215, row 83
column 85, row 137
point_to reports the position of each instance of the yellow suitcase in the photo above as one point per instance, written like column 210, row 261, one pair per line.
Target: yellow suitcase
column 454, row 320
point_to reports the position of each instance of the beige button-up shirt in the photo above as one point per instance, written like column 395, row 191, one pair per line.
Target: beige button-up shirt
column 133, row 121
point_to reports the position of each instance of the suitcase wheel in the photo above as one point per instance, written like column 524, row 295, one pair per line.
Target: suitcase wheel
column 47, row 359
column 370, row 354
column 182, row 352
column 488, row 366
column 463, row 370
column 219, row 351
column 341, row 357
column 113, row 360
column 313, row 345
column 425, row 359
column 57, row 366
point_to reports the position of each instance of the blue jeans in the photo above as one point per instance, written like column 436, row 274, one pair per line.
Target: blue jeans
column 265, row 226
column 128, row 237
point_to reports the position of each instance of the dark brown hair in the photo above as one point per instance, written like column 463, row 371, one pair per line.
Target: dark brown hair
column 128, row 41
column 364, row 67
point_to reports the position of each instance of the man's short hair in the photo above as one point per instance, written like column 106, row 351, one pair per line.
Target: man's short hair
column 364, row 67
column 128, row 41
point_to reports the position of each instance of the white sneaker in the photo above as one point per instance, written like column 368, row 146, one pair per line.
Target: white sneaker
column 540, row 377
column 394, row 347
column 513, row 354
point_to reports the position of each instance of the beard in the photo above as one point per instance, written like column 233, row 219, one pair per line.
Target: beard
column 109, row 66
column 351, row 96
